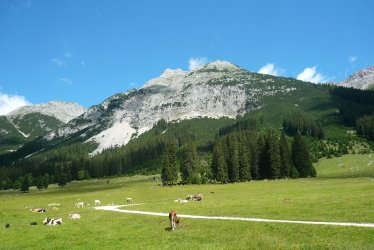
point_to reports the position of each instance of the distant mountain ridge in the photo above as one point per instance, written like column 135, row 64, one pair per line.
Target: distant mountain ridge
column 64, row 111
column 28, row 122
column 362, row 79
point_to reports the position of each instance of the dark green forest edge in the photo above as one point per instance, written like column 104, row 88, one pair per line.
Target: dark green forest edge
column 280, row 140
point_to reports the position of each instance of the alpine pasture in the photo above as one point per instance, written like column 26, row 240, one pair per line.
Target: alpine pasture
column 343, row 197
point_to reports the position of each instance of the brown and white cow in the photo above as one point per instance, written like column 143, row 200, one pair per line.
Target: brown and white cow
column 198, row 197
column 174, row 219
column 52, row 221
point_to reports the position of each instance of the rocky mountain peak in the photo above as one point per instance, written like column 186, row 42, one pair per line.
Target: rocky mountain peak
column 363, row 79
column 64, row 111
column 221, row 66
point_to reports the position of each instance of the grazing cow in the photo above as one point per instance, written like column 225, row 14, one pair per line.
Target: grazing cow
column 33, row 223
column 38, row 210
column 97, row 202
column 74, row 216
column 79, row 204
column 174, row 219
column 183, row 201
column 52, row 221
column 7, row 225
column 129, row 200
column 198, row 197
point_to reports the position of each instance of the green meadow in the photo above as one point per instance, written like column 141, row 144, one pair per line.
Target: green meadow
column 341, row 193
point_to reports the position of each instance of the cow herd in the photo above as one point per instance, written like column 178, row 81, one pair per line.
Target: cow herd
column 173, row 218
column 190, row 197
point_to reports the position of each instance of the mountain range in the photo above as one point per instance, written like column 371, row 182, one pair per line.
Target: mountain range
column 216, row 90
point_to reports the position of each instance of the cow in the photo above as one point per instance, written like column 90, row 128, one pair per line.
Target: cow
column 74, row 216
column 79, row 204
column 174, row 219
column 52, row 221
column 198, row 197
column 129, row 200
column 7, row 225
column 33, row 223
column 38, row 210
column 97, row 202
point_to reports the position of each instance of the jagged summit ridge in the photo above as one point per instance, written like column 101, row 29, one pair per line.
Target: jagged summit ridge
column 64, row 111
column 363, row 79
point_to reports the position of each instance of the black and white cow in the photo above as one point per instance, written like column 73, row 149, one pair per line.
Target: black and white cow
column 52, row 221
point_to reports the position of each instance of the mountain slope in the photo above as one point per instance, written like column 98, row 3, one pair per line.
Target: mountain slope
column 363, row 79
column 218, row 89
column 29, row 122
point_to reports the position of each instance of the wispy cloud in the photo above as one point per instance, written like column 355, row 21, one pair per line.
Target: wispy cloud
column 59, row 63
column 9, row 103
column 195, row 63
column 270, row 69
column 311, row 75
column 133, row 84
column 83, row 63
column 352, row 59
column 65, row 81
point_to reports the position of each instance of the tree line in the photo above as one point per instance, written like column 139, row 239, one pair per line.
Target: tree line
column 242, row 156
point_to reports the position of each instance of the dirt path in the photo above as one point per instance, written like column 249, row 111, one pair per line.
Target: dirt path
column 347, row 224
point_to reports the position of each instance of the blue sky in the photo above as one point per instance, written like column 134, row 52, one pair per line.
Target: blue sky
column 85, row 50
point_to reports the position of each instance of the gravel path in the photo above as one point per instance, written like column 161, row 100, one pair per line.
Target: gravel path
column 117, row 209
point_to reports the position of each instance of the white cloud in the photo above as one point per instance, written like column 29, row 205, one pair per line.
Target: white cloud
column 59, row 63
column 269, row 69
column 195, row 63
column 352, row 59
column 83, row 63
column 9, row 103
column 65, row 81
column 311, row 75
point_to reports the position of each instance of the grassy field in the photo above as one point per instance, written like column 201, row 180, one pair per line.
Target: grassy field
column 321, row 199
column 346, row 166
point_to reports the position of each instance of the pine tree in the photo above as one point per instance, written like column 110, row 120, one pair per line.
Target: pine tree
column 26, row 182
column 169, row 172
column 188, row 165
column 255, row 160
column 39, row 183
column 285, row 155
column 219, row 166
column 301, row 157
column 244, row 163
column 232, row 159
column 62, row 180
column 274, row 156
column 270, row 157
column 45, row 180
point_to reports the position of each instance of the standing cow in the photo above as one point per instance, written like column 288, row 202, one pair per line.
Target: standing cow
column 174, row 219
